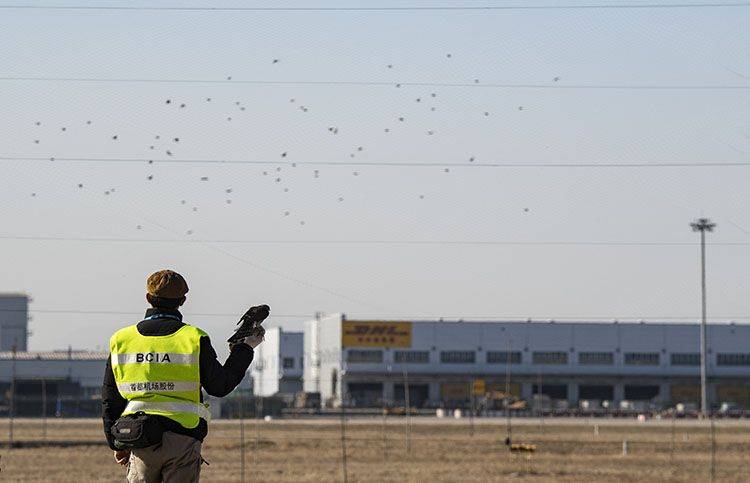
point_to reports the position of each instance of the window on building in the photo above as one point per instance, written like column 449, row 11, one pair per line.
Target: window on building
column 501, row 357
column 737, row 359
column 642, row 358
column 288, row 363
column 596, row 358
column 411, row 357
column 458, row 357
column 549, row 357
column 364, row 356
column 685, row 359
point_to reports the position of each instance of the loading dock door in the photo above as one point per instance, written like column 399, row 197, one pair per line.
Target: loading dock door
column 365, row 393
column 454, row 391
column 641, row 392
column 685, row 393
column 418, row 394
column 596, row 392
column 739, row 395
column 553, row 391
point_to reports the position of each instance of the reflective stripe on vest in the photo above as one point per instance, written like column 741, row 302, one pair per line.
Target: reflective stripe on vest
column 168, row 407
column 160, row 374
column 157, row 386
column 154, row 357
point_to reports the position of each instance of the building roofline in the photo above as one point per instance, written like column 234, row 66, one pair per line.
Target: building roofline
column 53, row 356
column 560, row 322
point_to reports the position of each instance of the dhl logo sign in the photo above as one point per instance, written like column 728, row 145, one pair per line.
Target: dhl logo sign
column 376, row 334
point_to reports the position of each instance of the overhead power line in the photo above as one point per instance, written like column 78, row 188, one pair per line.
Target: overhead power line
column 390, row 316
column 411, row 8
column 339, row 83
column 373, row 242
column 377, row 163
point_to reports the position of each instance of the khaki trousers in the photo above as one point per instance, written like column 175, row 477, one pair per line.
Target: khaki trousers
column 177, row 460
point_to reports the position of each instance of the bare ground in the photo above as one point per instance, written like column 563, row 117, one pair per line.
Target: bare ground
column 440, row 450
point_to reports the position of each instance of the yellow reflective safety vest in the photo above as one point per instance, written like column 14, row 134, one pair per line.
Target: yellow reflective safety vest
column 160, row 375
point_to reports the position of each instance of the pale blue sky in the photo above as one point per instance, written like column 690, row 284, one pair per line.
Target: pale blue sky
column 701, row 47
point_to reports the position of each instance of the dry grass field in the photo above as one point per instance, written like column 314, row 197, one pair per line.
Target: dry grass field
column 440, row 450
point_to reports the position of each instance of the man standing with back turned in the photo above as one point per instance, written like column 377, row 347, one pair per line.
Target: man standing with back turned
column 154, row 417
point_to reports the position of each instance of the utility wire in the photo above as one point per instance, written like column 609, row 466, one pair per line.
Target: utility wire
column 385, row 317
column 375, row 242
column 397, row 164
column 557, row 86
column 586, row 6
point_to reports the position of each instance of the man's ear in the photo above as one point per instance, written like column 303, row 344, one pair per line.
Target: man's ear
column 148, row 298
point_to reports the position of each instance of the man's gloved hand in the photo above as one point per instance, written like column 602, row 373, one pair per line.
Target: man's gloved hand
column 255, row 339
column 249, row 330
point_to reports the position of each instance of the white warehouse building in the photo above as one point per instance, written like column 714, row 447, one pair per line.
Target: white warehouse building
column 367, row 362
column 277, row 365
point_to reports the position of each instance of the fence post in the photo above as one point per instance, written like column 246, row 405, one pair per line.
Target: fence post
column 407, row 404
column 712, row 464
column 12, row 411
column 625, row 447
column 343, row 440
column 385, row 439
column 242, row 434
column 258, row 416
column 471, row 409
column 672, row 446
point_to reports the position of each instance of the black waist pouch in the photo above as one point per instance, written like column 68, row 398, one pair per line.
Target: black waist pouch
column 138, row 430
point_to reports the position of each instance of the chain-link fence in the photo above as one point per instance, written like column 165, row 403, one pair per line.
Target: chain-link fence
column 388, row 447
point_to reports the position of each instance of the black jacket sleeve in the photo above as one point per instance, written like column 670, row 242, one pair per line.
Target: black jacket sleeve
column 113, row 404
column 219, row 380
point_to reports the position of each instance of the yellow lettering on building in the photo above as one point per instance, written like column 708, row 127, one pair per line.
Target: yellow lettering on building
column 375, row 334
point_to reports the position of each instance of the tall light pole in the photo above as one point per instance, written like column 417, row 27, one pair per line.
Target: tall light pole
column 703, row 225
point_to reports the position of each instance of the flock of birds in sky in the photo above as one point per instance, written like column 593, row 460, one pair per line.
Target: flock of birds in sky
column 168, row 145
